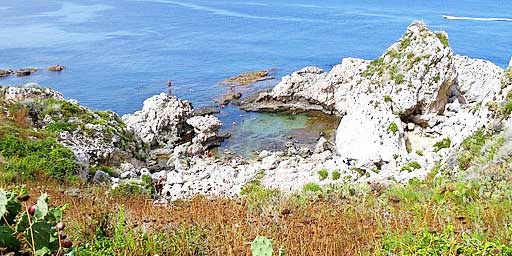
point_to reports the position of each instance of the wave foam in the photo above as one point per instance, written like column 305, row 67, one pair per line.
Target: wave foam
column 479, row 19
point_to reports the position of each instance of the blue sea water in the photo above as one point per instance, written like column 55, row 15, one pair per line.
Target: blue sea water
column 118, row 53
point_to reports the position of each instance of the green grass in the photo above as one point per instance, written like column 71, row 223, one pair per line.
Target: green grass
column 387, row 98
column 471, row 149
column 323, row 174
column 256, row 195
column 312, row 187
column 446, row 242
column 113, row 237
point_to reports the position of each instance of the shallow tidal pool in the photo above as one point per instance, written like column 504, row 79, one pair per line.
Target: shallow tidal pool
column 254, row 132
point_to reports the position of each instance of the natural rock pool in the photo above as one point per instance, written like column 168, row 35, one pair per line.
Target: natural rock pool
column 271, row 131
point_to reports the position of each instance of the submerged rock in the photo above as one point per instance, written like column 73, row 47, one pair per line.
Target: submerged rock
column 206, row 111
column 248, row 78
column 25, row 71
column 4, row 73
column 229, row 97
column 56, row 68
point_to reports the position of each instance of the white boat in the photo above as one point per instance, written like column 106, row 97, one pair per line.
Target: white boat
column 471, row 18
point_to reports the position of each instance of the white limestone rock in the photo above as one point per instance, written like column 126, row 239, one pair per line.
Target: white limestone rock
column 161, row 122
column 477, row 80
column 366, row 138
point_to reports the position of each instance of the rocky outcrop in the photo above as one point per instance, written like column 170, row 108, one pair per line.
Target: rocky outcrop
column 162, row 121
column 4, row 73
column 28, row 92
column 55, row 68
column 307, row 89
column 477, row 79
column 206, row 130
column 397, row 108
column 370, row 139
column 95, row 137
column 25, row 71
column 248, row 78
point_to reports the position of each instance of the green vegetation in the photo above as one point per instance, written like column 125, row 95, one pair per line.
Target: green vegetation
column 312, row 187
column 443, row 38
column 113, row 237
column 35, row 229
column 335, row 175
column 419, row 152
column 508, row 73
column 393, row 128
column 478, row 148
column 323, row 173
column 411, row 166
column 262, row 246
column 405, row 42
column 506, row 109
column 446, row 242
column 444, row 143
column 257, row 195
column 376, row 66
column 387, row 98
column 135, row 188
column 24, row 158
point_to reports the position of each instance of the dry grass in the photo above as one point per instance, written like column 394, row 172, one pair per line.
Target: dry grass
column 322, row 227
column 228, row 225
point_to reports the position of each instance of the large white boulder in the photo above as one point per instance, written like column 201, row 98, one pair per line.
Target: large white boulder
column 477, row 80
column 162, row 120
column 370, row 138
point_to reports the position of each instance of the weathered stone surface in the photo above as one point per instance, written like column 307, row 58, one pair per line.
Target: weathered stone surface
column 28, row 92
column 162, row 120
column 477, row 79
column 206, row 130
column 371, row 138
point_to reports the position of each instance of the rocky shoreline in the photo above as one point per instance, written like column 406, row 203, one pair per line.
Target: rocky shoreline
column 402, row 114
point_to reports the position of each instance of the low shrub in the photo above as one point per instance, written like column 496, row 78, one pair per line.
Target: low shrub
column 335, row 175
column 323, row 173
column 411, row 166
column 444, row 143
column 24, row 158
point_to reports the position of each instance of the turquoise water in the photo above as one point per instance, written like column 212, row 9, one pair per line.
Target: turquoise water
column 118, row 53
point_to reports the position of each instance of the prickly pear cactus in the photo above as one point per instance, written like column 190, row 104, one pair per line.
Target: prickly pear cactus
column 37, row 227
column 261, row 246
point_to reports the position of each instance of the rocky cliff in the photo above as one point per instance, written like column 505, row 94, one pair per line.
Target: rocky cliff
column 399, row 108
